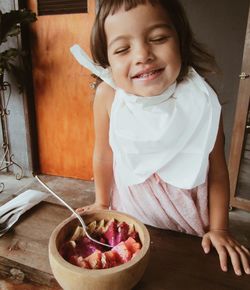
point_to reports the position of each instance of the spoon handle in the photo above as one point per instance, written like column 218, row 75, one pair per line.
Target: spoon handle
column 73, row 211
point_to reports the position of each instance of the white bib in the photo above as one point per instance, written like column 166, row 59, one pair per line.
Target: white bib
column 170, row 134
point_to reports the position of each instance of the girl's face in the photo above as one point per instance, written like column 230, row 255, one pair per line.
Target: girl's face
column 143, row 50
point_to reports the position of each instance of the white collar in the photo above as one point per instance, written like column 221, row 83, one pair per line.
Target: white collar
column 148, row 101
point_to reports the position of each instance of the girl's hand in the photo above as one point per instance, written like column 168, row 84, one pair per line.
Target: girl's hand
column 93, row 206
column 226, row 246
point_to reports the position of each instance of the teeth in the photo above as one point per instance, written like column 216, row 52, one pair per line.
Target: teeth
column 146, row 75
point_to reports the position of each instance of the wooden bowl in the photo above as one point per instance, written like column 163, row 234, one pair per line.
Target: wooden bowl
column 122, row 277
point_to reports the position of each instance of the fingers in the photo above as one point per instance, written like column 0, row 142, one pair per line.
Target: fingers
column 222, row 257
column 206, row 244
column 245, row 250
column 90, row 207
column 227, row 246
column 235, row 259
column 244, row 256
column 238, row 257
column 81, row 210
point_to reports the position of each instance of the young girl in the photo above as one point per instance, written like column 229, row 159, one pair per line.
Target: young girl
column 159, row 143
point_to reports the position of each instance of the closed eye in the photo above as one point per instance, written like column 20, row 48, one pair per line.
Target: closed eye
column 160, row 39
column 121, row 50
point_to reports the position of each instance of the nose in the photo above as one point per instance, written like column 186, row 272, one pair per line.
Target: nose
column 143, row 54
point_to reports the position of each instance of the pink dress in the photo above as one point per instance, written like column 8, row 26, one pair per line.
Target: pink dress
column 158, row 204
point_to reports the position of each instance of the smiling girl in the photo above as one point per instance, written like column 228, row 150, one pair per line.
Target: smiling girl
column 159, row 142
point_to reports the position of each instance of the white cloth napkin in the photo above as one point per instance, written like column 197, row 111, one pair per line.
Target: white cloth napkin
column 25, row 201
column 171, row 134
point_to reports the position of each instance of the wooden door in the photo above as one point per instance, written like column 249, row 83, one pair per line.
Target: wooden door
column 63, row 97
column 239, row 159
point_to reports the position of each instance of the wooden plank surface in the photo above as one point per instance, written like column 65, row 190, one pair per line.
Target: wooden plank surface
column 25, row 247
column 177, row 261
column 75, row 192
column 17, row 285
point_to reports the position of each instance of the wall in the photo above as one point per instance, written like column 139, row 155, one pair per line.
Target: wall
column 18, row 128
column 221, row 25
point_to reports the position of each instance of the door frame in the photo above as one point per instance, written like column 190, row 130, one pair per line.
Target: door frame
column 238, row 132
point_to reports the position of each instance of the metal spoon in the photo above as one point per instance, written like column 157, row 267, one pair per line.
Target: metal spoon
column 6, row 215
column 10, row 221
column 73, row 211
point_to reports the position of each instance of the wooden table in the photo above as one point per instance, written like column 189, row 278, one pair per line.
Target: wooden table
column 176, row 262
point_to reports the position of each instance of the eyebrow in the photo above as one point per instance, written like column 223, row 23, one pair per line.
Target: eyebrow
column 149, row 29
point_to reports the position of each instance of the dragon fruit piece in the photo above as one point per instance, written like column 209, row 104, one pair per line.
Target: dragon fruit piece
column 122, row 235
column 134, row 235
column 67, row 250
column 86, row 247
column 73, row 260
column 111, row 232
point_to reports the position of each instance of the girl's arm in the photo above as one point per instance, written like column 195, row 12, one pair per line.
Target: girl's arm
column 103, row 156
column 218, row 190
column 218, row 185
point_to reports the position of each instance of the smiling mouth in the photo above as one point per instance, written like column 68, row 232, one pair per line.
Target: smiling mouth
column 150, row 75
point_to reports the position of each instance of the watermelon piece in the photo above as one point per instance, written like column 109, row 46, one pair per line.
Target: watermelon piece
column 112, row 259
column 132, row 245
column 95, row 260
column 85, row 264
column 79, row 261
column 124, row 253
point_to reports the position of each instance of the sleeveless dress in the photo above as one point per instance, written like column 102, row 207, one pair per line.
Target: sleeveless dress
column 152, row 200
column 161, row 146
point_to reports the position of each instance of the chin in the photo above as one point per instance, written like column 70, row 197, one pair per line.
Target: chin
column 145, row 91
column 150, row 92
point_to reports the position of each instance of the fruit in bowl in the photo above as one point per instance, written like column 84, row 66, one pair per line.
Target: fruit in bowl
column 85, row 253
column 79, row 264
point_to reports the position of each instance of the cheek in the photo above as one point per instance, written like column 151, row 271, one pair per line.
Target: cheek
column 119, row 68
column 174, row 53
column 177, row 55
column 174, row 60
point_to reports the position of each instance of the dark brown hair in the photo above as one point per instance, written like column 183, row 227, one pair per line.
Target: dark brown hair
column 192, row 52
